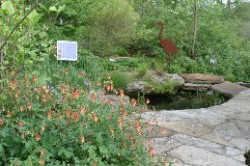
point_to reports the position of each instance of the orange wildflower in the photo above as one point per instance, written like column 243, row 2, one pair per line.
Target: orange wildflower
column 21, row 123
column 38, row 137
column 29, row 105
column 43, row 128
column 9, row 114
column 22, row 135
column 1, row 122
column 95, row 117
column 138, row 127
column 49, row 115
column 82, row 139
column 151, row 152
column 121, row 93
column 76, row 94
column 112, row 130
column 68, row 113
column 107, row 87
column 120, row 123
column 38, row 89
column 16, row 95
column 93, row 96
column 133, row 102
column 42, row 161
column 82, row 110
column 13, row 84
column 42, row 153
column 34, row 78
column 98, row 83
column 81, row 74
column 76, row 116
column 21, row 108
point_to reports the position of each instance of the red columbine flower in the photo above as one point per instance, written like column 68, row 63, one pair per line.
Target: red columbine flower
column 138, row 127
column 34, row 78
column 82, row 139
column 49, row 115
column 1, row 122
column 68, row 113
column 42, row 161
column 13, row 84
column 93, row 96
column 21, row 108
column 95, row 117
column 76, row 94
column 121, row 93
column 112, row 130
column 98, row 83
column 42, row 153
column 76, row 116
column 120, row 123
column 147, row 101
column 29, row 105
column 38, row 89
column 151, row 152
column 133, row 102
column 81, row 74
column 16, row 95
column 38, row 137
column 22, row 135
column 107, row 87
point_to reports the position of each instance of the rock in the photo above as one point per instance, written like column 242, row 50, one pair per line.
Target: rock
column 243, row 84
column 166, row 77
column 154, row 83
column 196, row 87
column 197, row 78
column 137, row 86
column 196, row 156
column 228, row 88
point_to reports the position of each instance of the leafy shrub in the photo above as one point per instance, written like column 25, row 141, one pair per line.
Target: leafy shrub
column 65, row 125
column 121, row 80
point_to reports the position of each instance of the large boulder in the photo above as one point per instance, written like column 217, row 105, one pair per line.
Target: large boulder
column 197, row 78
column 155, row 83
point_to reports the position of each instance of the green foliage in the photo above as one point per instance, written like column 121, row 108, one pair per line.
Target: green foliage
column 121, row 79
column 64, row 125
column 142, row 69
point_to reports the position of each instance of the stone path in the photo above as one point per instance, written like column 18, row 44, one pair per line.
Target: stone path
column 214, row 136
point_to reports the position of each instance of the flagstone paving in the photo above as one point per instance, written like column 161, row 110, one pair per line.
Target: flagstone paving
column 214, row 136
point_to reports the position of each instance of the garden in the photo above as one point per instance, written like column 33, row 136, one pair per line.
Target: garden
column 78, row 112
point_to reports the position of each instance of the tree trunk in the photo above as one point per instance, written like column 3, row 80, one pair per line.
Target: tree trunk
column 194, row 28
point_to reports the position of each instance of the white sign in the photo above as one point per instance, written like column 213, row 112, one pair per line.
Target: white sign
column 67, row 50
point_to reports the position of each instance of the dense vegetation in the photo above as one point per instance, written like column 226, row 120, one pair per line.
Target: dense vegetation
column 43, row 100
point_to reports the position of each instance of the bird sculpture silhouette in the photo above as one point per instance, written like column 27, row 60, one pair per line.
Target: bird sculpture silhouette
column 167, row 44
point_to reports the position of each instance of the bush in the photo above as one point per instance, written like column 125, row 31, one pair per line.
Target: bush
column 65, row 125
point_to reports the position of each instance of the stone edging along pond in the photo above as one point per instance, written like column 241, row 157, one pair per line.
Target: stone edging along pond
column 170, row 91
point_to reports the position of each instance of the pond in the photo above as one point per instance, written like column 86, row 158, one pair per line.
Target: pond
column 186, row 100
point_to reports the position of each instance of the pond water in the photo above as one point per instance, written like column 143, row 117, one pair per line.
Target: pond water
column 186, row 100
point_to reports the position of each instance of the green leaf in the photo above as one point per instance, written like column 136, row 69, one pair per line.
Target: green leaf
column 61, row 8
column 52, row 9
column 1, row 151
column 91, row 151
column 33, row 17
column 99, row 138
column 103, row 150
column 41, row 59
column 8, row 7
